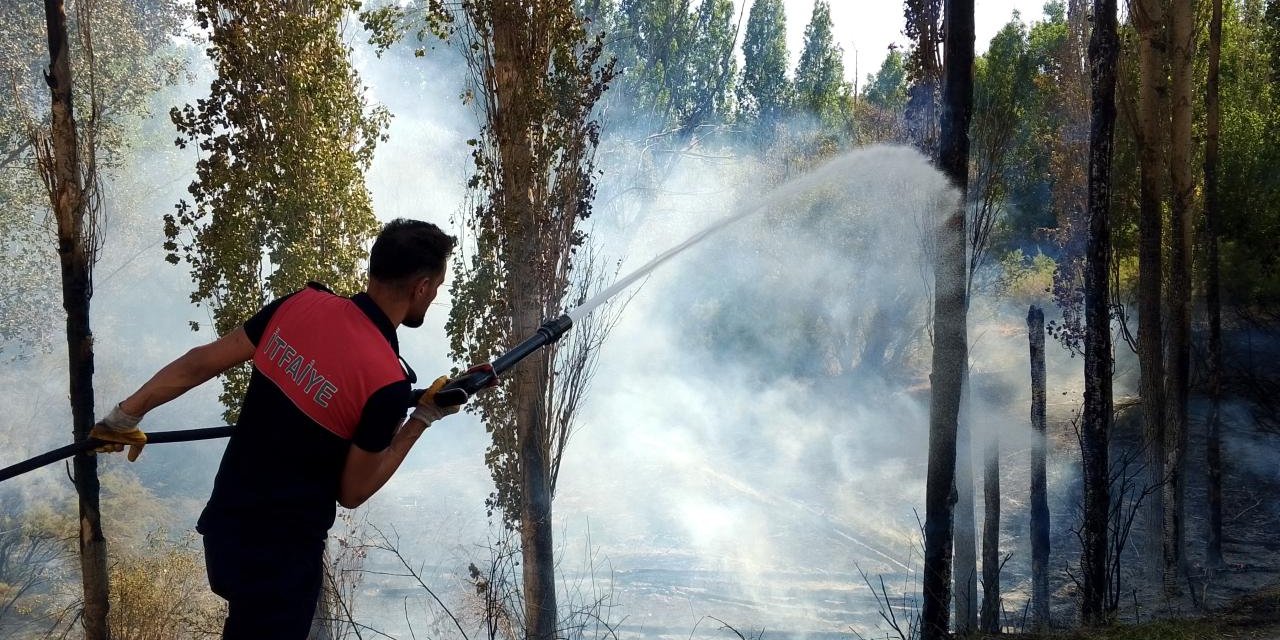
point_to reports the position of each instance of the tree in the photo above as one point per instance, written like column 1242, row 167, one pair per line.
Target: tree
column 72, row 191
column 1039, row 495
column 1068, row 159
column 1148, row 20
column 285, row 138
column 712, row 67
column 989, row 620
column 764, row 92
column 1096, row 420
column 886, row 96
column 537, row 78
column 950, row 353
column 1002, row 85
column 49, row 153
column 924, row 64
column 820, row 87
column 652, row 60
column 1182, row 48
column 887, row 87
column 1213, row 299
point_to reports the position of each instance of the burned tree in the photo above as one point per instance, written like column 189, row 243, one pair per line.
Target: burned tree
column 950, row 353
column 1213, row 300
column 1096, row 424
column 70, row 179
column 1039, row 494
column 1148, row 20
column 536, row 77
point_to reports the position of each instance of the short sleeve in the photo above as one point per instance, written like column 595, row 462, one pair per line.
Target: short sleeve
column 257, row 325
column 383, row 414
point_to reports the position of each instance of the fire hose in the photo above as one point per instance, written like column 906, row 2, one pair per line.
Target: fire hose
column 456, row 392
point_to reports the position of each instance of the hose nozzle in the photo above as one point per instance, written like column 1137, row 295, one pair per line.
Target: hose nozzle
column 459, row 390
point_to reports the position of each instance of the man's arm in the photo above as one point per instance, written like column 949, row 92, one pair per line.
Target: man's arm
column 190, row 370
column 365, row 472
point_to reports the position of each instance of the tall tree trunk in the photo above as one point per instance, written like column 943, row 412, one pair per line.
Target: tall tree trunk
column 1179, row 348
column 1212, row 300
column 991, row 537
column 1039, row 494
column 514, row 54
column 1096, row 427
column 1148, row 19
column 921, row 112
column 62, row 166
column 965, row 573
column 950, row 351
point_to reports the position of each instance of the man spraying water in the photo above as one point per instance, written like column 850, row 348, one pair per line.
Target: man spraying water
column 322, row 422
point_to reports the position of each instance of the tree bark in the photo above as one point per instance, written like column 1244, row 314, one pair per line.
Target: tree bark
column 1213, row 302
column 950, row 352
column 75, row 257
column 1148, row 19
column 514, row 53
column 1179, row 347
column 990, row 622
column 965, row 575
column 1039, row 495
column 1096, row 423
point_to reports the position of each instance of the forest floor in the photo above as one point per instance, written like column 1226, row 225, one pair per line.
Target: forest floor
column 1255, row 617
column 1240, row 600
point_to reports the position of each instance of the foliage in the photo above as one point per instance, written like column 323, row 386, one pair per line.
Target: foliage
column 159, row 593
column 388, row 24
column 820, row 88
column 285, row 137
column 887, row 87
column 128, row 44
column 765, row 92
column 1025, row 280
column 1002, row 80
column 33, row 550
column 1249, row 188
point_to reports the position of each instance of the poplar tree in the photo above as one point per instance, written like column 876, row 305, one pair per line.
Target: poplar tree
column 712, row 66
column 537, row 77
column 285, row 137
column 820, row 88
column 764, row 92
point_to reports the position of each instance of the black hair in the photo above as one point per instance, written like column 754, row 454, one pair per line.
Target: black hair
column 409, row 249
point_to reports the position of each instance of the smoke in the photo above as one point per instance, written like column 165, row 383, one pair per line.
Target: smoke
column 757, row 428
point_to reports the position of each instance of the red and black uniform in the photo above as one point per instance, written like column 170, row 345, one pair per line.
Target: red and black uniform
column 326, row 374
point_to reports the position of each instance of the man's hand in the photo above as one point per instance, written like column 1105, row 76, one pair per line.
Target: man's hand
column 118, row 429
column 427, row 410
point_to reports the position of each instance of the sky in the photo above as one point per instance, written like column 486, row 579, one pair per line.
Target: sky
column 868, row 27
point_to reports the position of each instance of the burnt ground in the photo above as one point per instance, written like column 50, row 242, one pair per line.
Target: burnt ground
column 1239, row 600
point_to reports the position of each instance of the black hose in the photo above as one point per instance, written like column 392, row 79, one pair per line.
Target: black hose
column 454, row 393
column 85, row 446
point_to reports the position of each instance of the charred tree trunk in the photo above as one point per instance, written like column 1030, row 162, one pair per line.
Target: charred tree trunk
column 965, row 573
column 61, row 165
column 950, row 352
column 990, row 622
column 1148, row 19
column 1096, row 423
column 1179, row 347
column 1213, row 302
column 1039, row 493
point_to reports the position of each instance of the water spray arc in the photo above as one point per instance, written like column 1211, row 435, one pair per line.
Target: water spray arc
column 458, row 390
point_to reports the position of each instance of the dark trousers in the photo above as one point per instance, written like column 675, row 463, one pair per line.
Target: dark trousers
column 271, row 586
